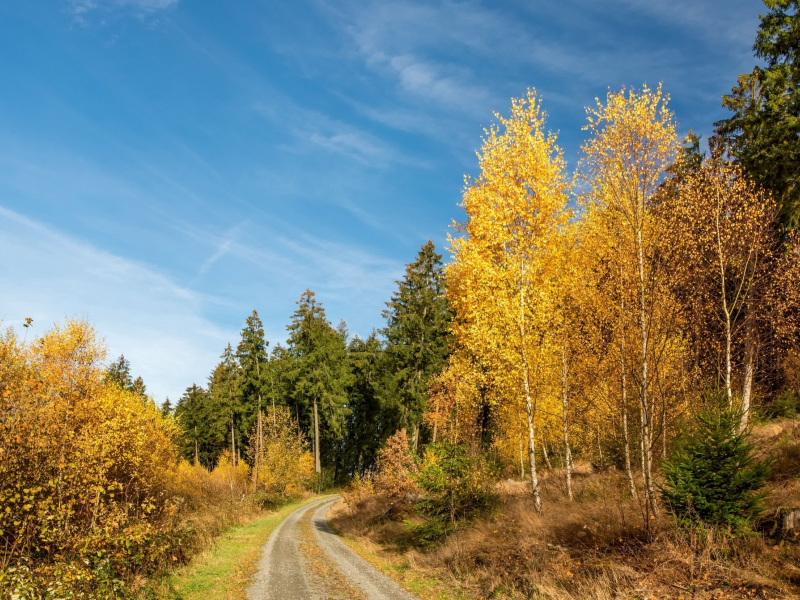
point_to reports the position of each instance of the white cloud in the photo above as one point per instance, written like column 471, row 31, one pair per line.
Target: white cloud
column 81, row 9
column 158, row 325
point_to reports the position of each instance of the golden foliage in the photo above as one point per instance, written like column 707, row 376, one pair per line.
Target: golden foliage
column 395, row 467
column 85, row 467
column 285, row 466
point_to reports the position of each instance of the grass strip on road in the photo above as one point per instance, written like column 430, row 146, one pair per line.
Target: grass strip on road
column 224, row 571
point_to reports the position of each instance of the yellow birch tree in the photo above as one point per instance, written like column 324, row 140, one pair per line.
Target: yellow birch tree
column 503, row 277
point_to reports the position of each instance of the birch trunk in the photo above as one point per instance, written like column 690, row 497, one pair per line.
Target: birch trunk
column 748, row 368
column 537, row 500
column 624, row 391
column 646, row 425
column 564, row 400
column 725, row 310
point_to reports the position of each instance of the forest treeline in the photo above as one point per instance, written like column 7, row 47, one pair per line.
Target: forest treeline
column 348, row 394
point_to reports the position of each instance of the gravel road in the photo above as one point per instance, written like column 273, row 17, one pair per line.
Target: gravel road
column 304, row 559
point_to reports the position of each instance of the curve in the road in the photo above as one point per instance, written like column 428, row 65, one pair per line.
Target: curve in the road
column 296, row 565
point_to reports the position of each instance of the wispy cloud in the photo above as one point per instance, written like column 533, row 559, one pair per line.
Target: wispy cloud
column 223, row 247
column 82, row 9
column 312, row 130
column 159, row 325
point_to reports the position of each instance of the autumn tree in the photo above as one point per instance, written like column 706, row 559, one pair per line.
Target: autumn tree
column 633, row 143
column 502, row 279
column 723, row 227
column 281, row 450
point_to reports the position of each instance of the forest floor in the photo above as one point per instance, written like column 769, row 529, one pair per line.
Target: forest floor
column 594, row 547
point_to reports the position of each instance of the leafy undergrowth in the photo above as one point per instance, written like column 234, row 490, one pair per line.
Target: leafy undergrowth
column 595, row 547
column 225, row 568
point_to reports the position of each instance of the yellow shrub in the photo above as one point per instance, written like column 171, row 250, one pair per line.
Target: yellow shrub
column 285, row 466
column 85, row 467
column 227, row 476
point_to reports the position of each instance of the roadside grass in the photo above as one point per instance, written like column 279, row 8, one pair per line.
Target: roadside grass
column 223, row 571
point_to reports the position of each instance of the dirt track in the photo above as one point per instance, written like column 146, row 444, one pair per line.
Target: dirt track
column 303, row 560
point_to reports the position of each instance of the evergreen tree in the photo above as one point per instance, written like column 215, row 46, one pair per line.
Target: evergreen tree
column 166, row 407
column 119, row 372
column 764, row 131
column 227, row 411
column 201, row 441
column 712, row 476
column 372, row 417
column 280, row 380
column 139, row 387
column 321, row 377
column 417, row 332
column 251, row 354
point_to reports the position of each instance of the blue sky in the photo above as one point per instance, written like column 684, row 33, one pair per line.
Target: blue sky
column 167, row 166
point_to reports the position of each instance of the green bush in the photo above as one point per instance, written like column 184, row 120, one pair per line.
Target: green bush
column 456, row 486
column 712, row 475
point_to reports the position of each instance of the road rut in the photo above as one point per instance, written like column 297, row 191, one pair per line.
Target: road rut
column 304, row 559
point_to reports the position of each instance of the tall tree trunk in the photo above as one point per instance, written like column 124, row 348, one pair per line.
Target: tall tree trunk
column 625, row 434
column 748, row 368
column 725, row 310
column 522, row 457
column 537, row 500
column 564, row 400
column 646, row 425
column 624, row 384
column 196, row 450
column 258, row 448
column 545, row 455
column 233, row 446
column 317, row 461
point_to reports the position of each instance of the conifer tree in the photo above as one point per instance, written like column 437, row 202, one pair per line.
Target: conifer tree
column 764, row 131
column 251, row 354
column 372, row 418
column 201, row 440
column 119, row 372
column 417, row 332
column 223, row 389
column 321, row 377
column 713, row 475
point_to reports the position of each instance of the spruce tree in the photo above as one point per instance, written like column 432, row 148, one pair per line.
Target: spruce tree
column 226, row 408
column 200, row 440
column 417, row 328
column 763, row 133
column 321, row 378
column 251, row 354
column 119, row 373
column 372, row 419
column 712, row 476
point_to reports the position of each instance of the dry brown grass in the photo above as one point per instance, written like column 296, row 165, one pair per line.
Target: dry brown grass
column 596, row 547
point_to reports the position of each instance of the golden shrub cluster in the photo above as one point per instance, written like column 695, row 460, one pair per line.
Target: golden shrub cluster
column 283, row 464
column 87, row 469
